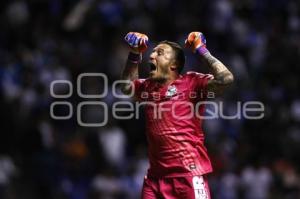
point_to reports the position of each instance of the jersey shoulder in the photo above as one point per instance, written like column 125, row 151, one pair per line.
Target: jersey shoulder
column 143, row 84
column 193, row 74
column 140, row 81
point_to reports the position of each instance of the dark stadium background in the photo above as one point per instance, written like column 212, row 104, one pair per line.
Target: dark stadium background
column 46, row 40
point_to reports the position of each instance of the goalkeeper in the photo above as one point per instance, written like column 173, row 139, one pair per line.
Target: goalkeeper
column 179, row 162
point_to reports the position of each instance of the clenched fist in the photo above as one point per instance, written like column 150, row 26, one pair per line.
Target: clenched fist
column 138, row 42
column 196, row 42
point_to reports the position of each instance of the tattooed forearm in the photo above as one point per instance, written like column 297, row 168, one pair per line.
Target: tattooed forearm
column 130, row 73
column 221, row 74
column 215, row 65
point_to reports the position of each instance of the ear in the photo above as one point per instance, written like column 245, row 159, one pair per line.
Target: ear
column 173, row 67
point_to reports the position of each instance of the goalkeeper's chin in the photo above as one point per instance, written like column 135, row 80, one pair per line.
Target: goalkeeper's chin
column 152, row 74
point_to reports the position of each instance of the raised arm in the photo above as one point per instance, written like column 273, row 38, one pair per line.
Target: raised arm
column 130, row 72
column 222, row 76
column 137, row 43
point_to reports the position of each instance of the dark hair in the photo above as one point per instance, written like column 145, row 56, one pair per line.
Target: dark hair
column 179, row 54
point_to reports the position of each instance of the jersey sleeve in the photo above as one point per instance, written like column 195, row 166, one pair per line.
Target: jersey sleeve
column 138, row 88
column 199, row 82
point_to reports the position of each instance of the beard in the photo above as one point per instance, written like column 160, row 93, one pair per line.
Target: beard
column 158, row 74
column 158, row 77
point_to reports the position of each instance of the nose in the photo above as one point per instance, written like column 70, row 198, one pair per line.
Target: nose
column 152, row 56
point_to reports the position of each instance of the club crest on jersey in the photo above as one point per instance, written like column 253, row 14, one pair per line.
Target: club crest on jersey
column 172, row 90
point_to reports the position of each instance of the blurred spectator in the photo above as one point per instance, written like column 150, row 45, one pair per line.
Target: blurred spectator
column 256, row 182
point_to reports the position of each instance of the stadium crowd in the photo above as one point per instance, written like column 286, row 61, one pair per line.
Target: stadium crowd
column 46, row 40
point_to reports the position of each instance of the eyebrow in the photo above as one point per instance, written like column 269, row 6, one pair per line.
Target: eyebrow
column 158, row 49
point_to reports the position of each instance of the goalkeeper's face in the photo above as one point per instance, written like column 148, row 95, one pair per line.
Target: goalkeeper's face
column 161, row 62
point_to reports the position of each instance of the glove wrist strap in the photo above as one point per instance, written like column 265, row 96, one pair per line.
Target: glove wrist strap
column 135, row 58
column 202, row 50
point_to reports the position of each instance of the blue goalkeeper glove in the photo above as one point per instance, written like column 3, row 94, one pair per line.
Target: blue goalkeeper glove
column 137, row 42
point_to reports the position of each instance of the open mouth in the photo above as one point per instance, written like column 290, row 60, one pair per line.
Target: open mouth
column 152, row 67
